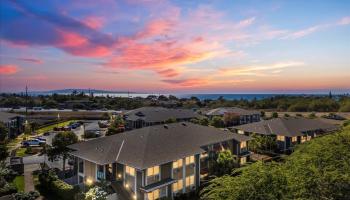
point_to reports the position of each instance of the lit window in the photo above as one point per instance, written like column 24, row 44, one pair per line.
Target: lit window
column 189, row 181
column 243, row 145
column 280, row 138
column 153, row 195
column 178, row 186
column 189, row 160
column 294, row 139
column 177, row 164
column 130, row 170
column 204, row 155
column 152, row 171
column 243, row 160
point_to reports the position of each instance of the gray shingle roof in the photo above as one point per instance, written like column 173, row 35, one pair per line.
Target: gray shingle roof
column 5, row 116
column 223, row 110
column 153, row 145
column 159, row 114
column 286, row 126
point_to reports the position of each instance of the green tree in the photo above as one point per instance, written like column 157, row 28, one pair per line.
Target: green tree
column 3, row 152
column 274, row 115
column 258, row 181
column 204, row 121
column 60, row 144
column 224, row 163
column 170, row 120
column 217, row 122
column 3, row 132
column 316, row 170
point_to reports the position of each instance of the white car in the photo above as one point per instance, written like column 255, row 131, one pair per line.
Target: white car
column 33, row 142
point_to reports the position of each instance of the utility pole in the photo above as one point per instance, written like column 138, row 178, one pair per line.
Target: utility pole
column 26, row 100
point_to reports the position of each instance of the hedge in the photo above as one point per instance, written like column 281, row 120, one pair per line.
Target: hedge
column 56, row 187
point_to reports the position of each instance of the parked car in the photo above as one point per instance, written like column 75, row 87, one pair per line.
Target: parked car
column 40, row 138
column 46, row 133
column 33, row 142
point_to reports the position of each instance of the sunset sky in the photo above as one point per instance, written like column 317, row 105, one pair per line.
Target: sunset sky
column 188, row 46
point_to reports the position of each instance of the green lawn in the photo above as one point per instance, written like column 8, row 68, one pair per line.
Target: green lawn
column 51, row 127
column 20, row 152
column 19, row 183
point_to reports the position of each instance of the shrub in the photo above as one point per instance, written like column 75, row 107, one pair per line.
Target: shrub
column 274, row 115
column 51, row 184
column 96, row 193
column 32, row 195
column 312, row 115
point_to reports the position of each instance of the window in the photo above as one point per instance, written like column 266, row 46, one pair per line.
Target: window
column 189, row 160
column 130, row 170
column 178, row 186
column 189, row 181
column 280, row 138
column 152, row 171
column 100, row 172
column 294, row 139
column 177, row 164
column 81, row 166
column 243, row 160
column 243, row 145
column 204, row 155
column 153, row 195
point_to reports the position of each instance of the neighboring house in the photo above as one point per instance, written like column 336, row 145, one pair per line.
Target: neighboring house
column 243, row 116
column 149, row 116
column 287, row 131
column 13, row 122
column 156, row 161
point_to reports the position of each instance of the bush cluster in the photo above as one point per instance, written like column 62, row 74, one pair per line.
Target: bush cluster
column 50, row 184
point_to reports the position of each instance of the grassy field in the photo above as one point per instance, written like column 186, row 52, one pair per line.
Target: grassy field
column 20, row 152
column 19, row 183
column 42, row 130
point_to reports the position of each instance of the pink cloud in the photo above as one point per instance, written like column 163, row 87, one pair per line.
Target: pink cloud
column 344, row 21
column 33, row 60
column 8, row 69
column 191, row 82
column 80, row 45
column 156, row 28
column 93, row 22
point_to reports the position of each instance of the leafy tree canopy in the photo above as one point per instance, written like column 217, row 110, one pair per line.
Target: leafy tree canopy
column 319, row 169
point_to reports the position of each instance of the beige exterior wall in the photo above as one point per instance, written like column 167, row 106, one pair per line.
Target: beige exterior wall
column 90, row 170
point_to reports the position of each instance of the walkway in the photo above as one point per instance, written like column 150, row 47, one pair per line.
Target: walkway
column 28, row 176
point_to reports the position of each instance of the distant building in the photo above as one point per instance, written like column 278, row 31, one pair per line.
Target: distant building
column 13, row 122
column 149, row 116
column 243, row 116
column 287, row 131
column 156, row 162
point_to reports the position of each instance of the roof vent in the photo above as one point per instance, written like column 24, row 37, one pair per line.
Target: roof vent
column 166, row 126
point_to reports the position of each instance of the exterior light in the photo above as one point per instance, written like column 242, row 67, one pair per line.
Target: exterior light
column 119, row 175
column 89, row 181
column 126, row 185
column 134, row 196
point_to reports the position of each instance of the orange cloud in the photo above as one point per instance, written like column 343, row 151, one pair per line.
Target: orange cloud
column 8, row 69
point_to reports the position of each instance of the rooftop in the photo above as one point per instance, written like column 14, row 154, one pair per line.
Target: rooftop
column 239, row 111
column 159, row 114
column 5, row 116
column 153, row 145
column 286, row 126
